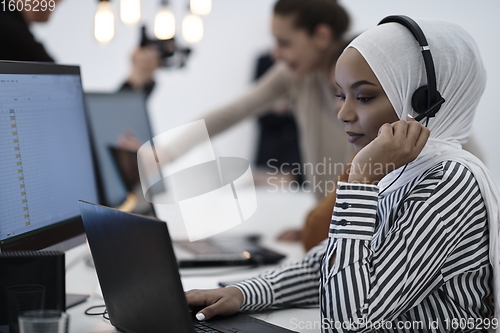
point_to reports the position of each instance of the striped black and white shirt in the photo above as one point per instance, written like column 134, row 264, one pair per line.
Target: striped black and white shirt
column 415, row 260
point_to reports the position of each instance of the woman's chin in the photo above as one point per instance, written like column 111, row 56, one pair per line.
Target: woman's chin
column 296, row 71
column 358, row 147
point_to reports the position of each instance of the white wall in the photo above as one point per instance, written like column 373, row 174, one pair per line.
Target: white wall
column 221, row 66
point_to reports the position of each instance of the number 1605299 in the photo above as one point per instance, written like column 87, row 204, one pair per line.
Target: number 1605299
column 28, row 5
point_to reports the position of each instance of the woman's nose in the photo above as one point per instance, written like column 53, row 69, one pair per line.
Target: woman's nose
column 346, row 113
column 275, row 54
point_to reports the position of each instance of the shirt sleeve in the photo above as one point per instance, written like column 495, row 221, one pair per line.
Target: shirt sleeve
column 289, row 285
column 366, row 283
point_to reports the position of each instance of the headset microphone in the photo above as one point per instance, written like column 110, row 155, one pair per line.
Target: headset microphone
column 431, row 112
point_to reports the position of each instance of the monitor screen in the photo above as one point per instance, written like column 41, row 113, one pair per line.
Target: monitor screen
column 46, row 161
column 111, row 115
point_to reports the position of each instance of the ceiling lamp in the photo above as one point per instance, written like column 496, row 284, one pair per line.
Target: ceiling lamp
column 164, row 27
column 200, row 7
column 130, row 11
column 192, row 28
column 104, row 22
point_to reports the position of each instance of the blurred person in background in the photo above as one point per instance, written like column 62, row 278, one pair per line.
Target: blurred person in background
column 278, row 138
column 19, row 44
column 310, row 35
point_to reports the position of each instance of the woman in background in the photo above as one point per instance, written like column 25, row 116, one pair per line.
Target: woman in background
column 310, row 35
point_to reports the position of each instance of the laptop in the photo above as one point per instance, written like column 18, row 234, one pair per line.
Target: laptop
column 139, row 277
column 211, row 252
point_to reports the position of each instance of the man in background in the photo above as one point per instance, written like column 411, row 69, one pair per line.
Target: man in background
column 18, row 43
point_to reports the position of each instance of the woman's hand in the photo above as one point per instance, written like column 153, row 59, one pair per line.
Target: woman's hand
column 290, row 235
column 397, row 144
column 221, row 301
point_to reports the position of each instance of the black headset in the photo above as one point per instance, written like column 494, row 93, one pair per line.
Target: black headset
column 426, row 100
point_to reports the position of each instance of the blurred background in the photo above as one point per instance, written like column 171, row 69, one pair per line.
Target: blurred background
column 222, row 65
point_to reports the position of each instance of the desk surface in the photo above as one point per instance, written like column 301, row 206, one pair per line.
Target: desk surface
column 275, row 212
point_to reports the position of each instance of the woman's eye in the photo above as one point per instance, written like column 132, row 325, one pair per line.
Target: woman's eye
column 283, row 43
column 364, row 99
column 342, row 97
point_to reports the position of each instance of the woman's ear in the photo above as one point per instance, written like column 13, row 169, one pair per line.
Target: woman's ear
column 323, row 36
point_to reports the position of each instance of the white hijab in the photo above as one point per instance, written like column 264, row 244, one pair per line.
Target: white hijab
column 394, row 56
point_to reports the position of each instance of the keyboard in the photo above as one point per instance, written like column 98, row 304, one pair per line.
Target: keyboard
column 223, row 251
column 200, row 327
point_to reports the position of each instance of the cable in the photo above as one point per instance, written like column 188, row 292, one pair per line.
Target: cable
column 385, row 189
column 104, row 314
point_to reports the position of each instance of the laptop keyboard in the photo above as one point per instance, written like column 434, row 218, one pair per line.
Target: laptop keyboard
column 205, row 247
column 209, row 251
column 203, row 328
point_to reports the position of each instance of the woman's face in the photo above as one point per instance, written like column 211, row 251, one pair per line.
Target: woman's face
column 302, row 52
column 365, row 106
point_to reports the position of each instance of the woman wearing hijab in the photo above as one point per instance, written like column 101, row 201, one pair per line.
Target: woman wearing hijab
column 419, row 250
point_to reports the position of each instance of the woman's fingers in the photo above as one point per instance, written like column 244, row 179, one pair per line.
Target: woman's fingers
column 422, row 138
column 400, row 129
column 418, row 133
column 397, row 144
column 210, row 311
column 414, row 131
column 410, row 132
column 386, row 130
column 197, row 297
column 129, row 140
column 222, row 301
column 291, row 235
column 208, row 299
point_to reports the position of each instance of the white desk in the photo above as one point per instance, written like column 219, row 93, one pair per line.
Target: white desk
column 275, row 212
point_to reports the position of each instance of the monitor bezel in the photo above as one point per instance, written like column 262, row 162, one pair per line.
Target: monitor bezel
column 35, row 68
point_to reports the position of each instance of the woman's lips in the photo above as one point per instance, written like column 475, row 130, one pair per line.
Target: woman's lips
column 352, row 137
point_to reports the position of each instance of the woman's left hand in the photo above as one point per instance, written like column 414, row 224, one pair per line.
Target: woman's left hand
column 397, row 144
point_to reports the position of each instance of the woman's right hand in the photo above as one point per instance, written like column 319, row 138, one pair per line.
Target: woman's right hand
column 221, row 301
column 397, row 144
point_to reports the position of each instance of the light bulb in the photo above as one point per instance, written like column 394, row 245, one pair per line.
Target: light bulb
column 104, row 23
column 130, row 11
column 200, row 7
column 192, row 28
column 164, row 24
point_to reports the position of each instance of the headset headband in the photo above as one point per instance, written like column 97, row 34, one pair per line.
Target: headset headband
column 434, row 99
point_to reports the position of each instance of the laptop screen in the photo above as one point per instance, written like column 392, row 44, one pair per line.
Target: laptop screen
column 46, row 163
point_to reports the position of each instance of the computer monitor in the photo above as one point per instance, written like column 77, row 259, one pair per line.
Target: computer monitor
column 46, row 162
column 110, row 116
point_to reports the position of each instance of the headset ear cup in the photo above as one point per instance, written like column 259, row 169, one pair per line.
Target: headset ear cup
column 419, row 99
